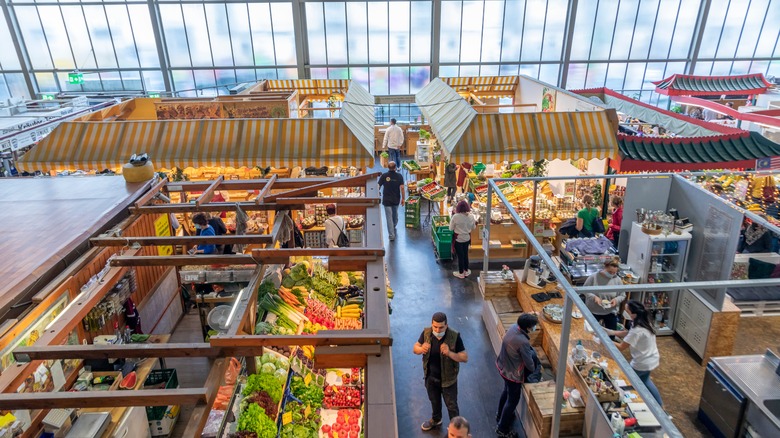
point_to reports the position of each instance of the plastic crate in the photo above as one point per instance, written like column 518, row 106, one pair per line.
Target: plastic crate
column 412, row 221
column 166, row 378
column 443, row 247
column 314, row 239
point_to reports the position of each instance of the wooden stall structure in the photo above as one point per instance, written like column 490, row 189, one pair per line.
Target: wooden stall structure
column 369, row 348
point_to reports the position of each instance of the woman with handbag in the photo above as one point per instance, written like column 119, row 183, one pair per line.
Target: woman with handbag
column 462, row 224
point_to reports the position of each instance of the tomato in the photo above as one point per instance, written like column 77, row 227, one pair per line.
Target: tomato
column 339, row 420
column 355, row 428
column 353, row 419
column 325, row 428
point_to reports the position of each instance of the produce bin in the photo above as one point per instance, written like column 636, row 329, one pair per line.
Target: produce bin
column 219, row 276
column 443, row 247
column 160, row 379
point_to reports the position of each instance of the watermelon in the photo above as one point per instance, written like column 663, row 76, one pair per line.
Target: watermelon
column 129, row 381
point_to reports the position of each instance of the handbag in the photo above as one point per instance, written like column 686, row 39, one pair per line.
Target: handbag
column 598, row 225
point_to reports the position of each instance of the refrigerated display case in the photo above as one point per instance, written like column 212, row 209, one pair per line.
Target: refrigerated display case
column 658, row 258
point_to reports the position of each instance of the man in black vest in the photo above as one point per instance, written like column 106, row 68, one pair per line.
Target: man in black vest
column 442, row 350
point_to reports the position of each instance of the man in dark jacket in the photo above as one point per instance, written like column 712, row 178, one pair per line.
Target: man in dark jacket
column 451, row 180
column 517, row 363
column 442, row 350
column 392, row 185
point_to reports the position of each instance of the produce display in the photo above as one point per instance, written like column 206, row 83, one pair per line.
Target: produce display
column 341, row 423
column 411, row 165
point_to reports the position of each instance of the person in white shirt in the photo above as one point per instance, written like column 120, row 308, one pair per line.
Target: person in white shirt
column 462, row 223
column 334, row 225
column 394, row 139
column 640, row 339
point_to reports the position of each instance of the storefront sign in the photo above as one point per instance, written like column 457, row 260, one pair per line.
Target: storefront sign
column 162, row 228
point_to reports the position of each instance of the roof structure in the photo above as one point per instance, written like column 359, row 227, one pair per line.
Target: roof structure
column 691, row 85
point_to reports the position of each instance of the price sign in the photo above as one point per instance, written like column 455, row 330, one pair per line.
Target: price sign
column 538, row 228
column 307, row 411
column 568, row 189
column 287, row 418
column 307, row 379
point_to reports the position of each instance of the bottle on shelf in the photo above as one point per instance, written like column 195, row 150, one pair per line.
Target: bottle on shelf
column 659, row 316
column 118, row 338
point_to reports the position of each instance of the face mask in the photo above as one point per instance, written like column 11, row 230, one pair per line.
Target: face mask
column 609, row 274
column 533, row 329
column 627, row 315
column 439, row 335
column 197, row 227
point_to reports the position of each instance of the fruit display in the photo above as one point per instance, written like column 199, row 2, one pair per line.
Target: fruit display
column 411, row 165
column 343, row 423
column 319, row 313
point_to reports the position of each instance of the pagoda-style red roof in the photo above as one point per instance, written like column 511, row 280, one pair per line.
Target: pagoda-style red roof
column 691, row 85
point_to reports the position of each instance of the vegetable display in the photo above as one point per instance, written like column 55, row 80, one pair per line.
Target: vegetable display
column 254, row 419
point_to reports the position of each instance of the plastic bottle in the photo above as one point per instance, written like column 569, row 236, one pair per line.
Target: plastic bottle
column 618, row 425
column 127, row 334
column 117, row 334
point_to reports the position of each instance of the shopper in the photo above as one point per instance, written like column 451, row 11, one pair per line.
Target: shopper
column 219, row 230
column 516, row 361
column 586, row 216
column 604, row 305
column 202, row 228
column 458, row 428
column 754, row 239
column 334, row 227
column 613, row 233
column 640, row 339
column 442, row 350
column 451, row 181
column 392, row 185
column 463, row 177
column 462, row 224
column 394, row 139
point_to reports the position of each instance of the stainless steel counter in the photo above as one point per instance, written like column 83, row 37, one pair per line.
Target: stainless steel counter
column 756, row 378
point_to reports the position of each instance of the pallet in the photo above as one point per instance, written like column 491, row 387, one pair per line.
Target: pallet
column 758, row 308
column 541, row 405
column 492, row 284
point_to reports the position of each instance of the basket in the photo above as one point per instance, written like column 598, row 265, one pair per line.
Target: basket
column 168, row 380
column 651, row 231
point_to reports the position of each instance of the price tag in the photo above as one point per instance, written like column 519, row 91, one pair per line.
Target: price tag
column 307, row 411
column 307, row 379
column 287, row 418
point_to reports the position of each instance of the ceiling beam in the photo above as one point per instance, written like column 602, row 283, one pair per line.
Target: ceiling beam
column 101, row 399
column 336, row 182
column 265, row 190
column 208, row 194
column 232, row 259
column 247, row 239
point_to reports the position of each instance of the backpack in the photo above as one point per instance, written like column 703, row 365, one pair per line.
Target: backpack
column 343, row 240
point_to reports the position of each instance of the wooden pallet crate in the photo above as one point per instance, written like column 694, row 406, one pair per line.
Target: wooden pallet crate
column 492, row 284
column 541, row 406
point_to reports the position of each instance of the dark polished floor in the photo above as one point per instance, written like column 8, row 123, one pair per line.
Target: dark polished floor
column 422, row 287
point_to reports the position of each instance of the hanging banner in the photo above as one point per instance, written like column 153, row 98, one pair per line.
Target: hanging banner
column 162, row 228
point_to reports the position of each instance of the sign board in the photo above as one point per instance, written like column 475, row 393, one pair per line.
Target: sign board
column 485, row 239
column 389, row 100
column 568, row 188
column 162, row 228
column 538, row 229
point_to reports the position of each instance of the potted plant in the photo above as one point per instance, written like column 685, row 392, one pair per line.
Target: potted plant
column 383, row 159
column 424, row 136
column 677, row 109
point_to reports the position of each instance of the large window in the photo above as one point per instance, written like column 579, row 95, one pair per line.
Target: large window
column 205, row 47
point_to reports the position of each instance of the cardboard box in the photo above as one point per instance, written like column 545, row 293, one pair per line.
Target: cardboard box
column 165, row 426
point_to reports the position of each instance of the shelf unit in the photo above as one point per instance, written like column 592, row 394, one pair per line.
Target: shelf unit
column 503, row 233
column 658, row 259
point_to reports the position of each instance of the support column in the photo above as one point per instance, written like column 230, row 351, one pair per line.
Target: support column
column 701, row 23
column 159, row 39
column 571, row 16
column 20, row 48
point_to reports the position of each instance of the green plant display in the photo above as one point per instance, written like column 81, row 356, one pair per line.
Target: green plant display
column 539, row 168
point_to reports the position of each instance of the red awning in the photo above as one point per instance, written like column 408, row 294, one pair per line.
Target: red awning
column 628, row 165
column 691, row 85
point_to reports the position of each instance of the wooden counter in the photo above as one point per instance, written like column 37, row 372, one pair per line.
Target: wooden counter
column 551, row 334
column 143, row 369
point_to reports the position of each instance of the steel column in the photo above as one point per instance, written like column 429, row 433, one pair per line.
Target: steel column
column 21, row 49
column 159, row 39
column 701, row 23
column 571, row 17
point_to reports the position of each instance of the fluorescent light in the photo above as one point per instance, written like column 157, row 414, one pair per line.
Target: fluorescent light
column 56, row 318
column 235, row 305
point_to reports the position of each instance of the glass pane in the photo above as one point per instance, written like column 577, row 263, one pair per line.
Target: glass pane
column 4, row 92
column 132, row 80
column 144, row 35
column 153, row 81
column 508, row 70
column 377, row 37
column 741, row 68
column 226, row 77
column 615, row 75
column 79, row 36
column 721, row 68
column 755, row 17
column 655, row 72
column 703, row 68
column 284, row 34
column 597, row 74
column 634, row 74
column 319, row 73
column 34, row 38
column 533, row 30
column 449, row 50
column 399, row 80
column 267, row 73
column 358, row 34
column 112, row 81
column 774, row 69
column 219, row 33
column 732, row 28
column 553, row 34
column 399, row 33
column 549, row 73
column 338, row 73
column 8, row 58
column 360, row 75
column 448, row 71
column 712, row 30
column 204, row 79
column 240, row 35
column 531, row 70
column 664, row 30
column 418, row 78
column 262, row 37
column 336, row 32
column 471, row 38
column 245, row 75
column 183, row 80
column 421, row 32
column 643, row 29
column 469, row 70
column 489, row 70
column 583, row 31
column 768, row 41
column 378, row 81
column 315, row 28
column 17, row 85
column 512, row 39
column 602, row 37
column 91, row 83
column 576, row 78
column 759, row 67
column 197, row 35
column 55, row 33
column 624, row 28
column 683, row 33
column 122, row 35
column 175, row 38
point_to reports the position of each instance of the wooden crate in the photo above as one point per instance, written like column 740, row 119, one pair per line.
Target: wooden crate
column 506, row 304
column 491, row 284
column 541, row 406
column 582, row 385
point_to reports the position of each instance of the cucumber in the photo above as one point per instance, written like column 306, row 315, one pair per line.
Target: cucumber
column 355, row 300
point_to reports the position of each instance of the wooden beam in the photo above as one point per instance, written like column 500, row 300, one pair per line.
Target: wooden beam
column 336, row 182
column 242, row 307
column 245, row 239
column 338, row 201
column 207, row 194
column 348, row 356
column 200, row 413
column 252, row 344
column 257, row 184
column 50, row 352
column 232, row 259
column 210, row 207
column 343, row 252
column 153, row 191
column 266, row 190
column 100, row 399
